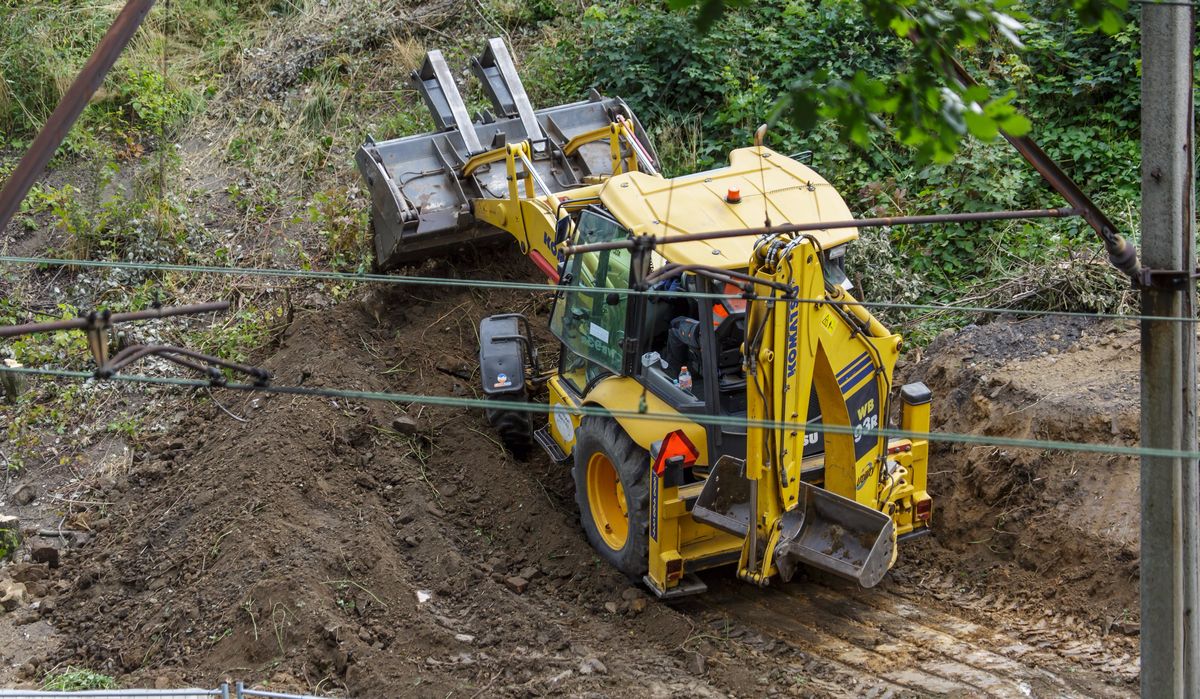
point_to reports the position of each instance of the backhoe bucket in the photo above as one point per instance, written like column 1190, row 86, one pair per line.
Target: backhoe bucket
column 421, row 197
column 837, row 535
column 824, row 530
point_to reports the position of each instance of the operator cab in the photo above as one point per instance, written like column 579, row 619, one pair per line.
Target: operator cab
column 688, row 320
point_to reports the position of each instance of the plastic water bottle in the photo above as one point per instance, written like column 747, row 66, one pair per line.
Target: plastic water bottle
column 685, row 378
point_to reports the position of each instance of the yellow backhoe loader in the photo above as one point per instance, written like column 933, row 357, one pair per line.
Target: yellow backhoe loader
column 719, row 398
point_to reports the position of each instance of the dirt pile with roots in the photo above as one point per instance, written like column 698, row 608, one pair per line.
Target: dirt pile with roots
column 318, row 544
column 1058, row 525
column 324, row 545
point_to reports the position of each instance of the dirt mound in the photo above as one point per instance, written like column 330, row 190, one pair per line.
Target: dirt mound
column 322, row 545
column 1053, row 529
column 309, row 544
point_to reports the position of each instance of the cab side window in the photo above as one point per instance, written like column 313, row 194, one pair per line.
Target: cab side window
column 591, row 312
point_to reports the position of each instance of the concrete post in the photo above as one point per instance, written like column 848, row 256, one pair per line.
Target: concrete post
column 1169, row 486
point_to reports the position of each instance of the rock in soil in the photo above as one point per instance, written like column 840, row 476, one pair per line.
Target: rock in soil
column 592, row 666
column 24, row 617
column 28, row 572
column 45, row 553
column 12, row 595
column 25, row 495
column 10, row 523
column 405, row 425
column 516, row 583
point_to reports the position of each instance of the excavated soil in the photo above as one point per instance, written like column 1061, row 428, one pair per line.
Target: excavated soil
column 320, row 545
column 1015, row 519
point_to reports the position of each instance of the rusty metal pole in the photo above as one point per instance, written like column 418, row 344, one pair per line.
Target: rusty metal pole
column 1170, row 487
column 55, row 130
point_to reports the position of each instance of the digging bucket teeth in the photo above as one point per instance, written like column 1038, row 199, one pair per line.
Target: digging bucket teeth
column 825, row 530
column 421, row 200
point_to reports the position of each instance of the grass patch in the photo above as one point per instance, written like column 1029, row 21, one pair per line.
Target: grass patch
column 77, row 679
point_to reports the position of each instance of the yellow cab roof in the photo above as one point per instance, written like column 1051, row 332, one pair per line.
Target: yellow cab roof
column 770, row 183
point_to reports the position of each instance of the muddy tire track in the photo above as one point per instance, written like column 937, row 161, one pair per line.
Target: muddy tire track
column 893, row 645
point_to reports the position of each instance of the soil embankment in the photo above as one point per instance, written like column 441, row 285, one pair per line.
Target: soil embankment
column 321, row 544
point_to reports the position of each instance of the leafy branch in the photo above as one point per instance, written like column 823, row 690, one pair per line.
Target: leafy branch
column 921, row 103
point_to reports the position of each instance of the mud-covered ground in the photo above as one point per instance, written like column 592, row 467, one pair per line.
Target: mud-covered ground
column 320, row 545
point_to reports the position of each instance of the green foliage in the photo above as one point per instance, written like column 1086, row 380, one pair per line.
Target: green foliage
column 59, row 348
column 10, row 543
column 44, row 44
column 111, row 221
column 126, row 425
column 77, row 679
column 151, row 101
column 1076, row 87
column 318, row 109
column 922, row 99
column 342, row 222
column 243, row 332
column 679, row 139
column 516, row 13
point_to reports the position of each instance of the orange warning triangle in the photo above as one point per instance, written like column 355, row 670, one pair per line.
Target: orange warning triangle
column 675, row 444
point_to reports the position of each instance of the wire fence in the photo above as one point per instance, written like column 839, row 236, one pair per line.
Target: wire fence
column 733, row 421
column 237, row 690
column 736, row 422
column 409, row 280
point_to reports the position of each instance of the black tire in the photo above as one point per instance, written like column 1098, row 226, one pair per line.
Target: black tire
column 514, row 427
column 603, row 435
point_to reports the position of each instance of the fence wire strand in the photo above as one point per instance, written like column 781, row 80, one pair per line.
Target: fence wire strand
column 715, row 420
column 450, row 401
column 400, row 279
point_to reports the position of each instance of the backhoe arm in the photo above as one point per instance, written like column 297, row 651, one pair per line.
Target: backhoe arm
column 797, row 344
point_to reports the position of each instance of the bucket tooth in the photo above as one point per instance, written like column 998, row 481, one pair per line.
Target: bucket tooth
column 496, row 70
column 446, row 106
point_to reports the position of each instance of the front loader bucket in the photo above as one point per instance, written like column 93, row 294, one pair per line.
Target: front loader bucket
column 837, row 535
column 421, row 199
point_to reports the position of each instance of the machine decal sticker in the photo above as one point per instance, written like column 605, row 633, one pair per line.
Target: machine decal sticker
column 866, row 475
column 814, row 439
column 598, row 332
column 653, row 505
column 853, row 366
column 854, row 372
column 864, row 418
column 563, row 424
column 502, row 380
column 793, row 324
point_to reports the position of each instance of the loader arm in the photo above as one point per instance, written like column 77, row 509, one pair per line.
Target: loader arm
column 797, row 345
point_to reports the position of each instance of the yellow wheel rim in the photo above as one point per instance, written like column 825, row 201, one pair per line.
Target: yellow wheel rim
column 606, row 499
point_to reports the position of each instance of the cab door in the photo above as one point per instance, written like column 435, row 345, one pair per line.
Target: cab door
column 593, row 311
